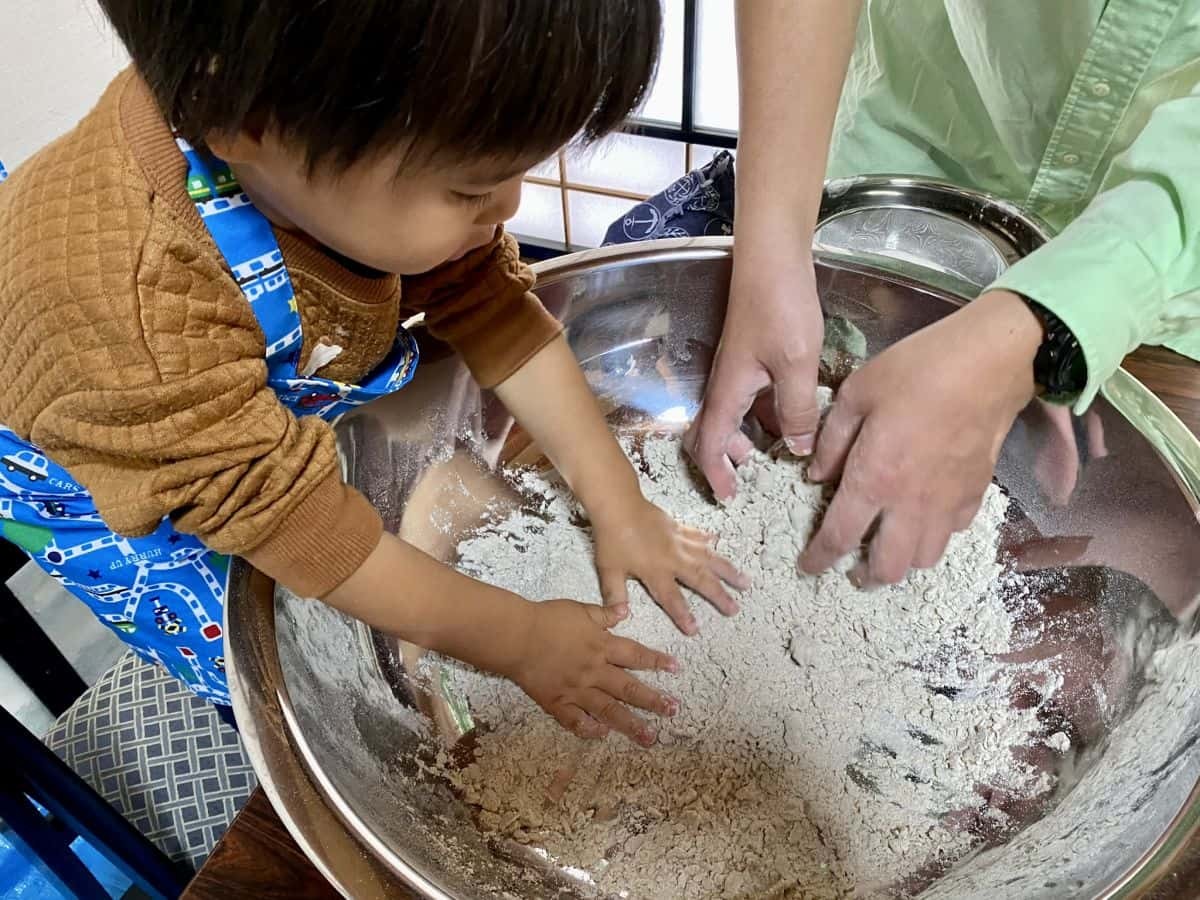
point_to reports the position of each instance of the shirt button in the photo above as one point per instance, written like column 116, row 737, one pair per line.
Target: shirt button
column 1101, row 89
column 1070, row 159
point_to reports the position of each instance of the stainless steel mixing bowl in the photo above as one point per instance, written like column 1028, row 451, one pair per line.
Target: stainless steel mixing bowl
column 334, row 725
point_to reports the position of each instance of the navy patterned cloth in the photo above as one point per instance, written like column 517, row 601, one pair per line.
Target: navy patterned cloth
column 701, row 204
column 698, row 204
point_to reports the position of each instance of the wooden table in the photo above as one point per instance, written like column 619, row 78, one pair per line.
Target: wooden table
column 258, row 860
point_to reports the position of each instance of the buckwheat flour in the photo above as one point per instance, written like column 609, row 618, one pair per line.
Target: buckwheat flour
column 831, row 741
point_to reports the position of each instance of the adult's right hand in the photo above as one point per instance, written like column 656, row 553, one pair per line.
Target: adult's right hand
column 915, row 434
column 772, row 339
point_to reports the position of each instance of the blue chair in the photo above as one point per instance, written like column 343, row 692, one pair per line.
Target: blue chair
column 45, row 805
column 34, row 777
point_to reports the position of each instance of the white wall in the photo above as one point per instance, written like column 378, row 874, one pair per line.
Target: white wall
column 56, row 57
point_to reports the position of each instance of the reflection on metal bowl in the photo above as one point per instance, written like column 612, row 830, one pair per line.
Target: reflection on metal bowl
column 336, row 727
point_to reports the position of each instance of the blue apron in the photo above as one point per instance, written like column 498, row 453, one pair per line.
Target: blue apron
column 163, row 594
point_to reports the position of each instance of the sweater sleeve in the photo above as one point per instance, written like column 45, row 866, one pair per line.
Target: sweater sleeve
column 482, row 306
column 193, row 432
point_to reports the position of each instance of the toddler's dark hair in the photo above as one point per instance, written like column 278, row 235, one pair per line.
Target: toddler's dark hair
column 346, row 78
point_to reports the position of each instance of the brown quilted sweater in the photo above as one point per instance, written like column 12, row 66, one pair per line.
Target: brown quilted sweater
column 130, row 357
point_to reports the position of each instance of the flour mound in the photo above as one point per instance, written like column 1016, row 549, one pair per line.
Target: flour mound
column 830, row 742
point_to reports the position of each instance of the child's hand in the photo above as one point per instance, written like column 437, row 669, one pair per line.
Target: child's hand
column 575, row 670
column 647, row 544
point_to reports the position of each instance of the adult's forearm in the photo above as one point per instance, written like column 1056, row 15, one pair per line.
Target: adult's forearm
column 792, row 60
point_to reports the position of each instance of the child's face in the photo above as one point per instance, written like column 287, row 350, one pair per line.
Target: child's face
column 405, row 225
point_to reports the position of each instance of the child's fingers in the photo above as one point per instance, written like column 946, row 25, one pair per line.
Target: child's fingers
column 607, row 616
column 631, row 655
column 728, row 572
column 578, row 722
column 667, row 595
column 608, row 710
column 557, row 788
column 629, row 690
column 696, row 536
column 613, row 587
column 704, row 543
column 708, row 585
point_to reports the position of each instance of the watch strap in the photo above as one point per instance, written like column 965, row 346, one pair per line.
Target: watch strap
column 1060, row 367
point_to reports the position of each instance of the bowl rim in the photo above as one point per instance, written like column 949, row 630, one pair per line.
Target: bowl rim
column 343, row 853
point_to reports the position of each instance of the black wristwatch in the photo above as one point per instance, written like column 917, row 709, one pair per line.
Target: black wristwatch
column 1059, row 368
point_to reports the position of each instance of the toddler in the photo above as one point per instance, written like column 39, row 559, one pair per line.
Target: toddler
column 215, row 264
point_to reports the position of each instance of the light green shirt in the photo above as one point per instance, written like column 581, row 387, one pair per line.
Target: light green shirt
column 1085, row 113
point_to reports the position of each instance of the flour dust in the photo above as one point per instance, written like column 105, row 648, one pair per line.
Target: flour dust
column 831, row 742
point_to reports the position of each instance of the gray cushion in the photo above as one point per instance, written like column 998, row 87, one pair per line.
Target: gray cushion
column 159, row 754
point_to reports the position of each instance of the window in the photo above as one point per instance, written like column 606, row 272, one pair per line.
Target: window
column 688, row 117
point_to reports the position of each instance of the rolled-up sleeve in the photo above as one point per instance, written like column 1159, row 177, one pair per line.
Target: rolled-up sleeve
column 1126, row 272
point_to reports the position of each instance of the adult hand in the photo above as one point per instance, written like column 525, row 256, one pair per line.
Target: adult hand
column 773, row 335
column 915, row 434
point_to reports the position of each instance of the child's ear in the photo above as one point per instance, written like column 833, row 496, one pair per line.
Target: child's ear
column 244, row 147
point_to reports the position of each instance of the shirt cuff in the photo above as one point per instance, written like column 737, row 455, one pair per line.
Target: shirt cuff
column 322, row 542
column 1100, row 286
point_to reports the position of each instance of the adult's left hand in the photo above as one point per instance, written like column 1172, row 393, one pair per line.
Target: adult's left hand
column 915, row 435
